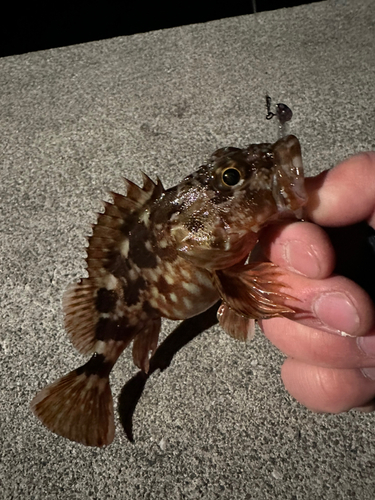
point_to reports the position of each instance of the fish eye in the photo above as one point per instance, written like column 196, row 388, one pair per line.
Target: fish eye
column 231, row 176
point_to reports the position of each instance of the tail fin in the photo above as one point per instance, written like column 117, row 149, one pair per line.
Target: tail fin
column 79, row 407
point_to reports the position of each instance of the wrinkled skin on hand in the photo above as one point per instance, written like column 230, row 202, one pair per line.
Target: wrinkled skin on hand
column 330, row 365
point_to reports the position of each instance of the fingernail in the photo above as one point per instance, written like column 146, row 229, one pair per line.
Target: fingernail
column 337, row 312
column 301, row 258
column 369, row 373
column 367, row 345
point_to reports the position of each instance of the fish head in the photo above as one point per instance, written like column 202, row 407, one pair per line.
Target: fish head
column 223, row 205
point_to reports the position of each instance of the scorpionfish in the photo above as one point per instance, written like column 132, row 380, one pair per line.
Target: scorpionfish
column 171, row 253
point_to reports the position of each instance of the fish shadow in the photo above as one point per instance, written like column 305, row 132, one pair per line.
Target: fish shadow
column 184, row 333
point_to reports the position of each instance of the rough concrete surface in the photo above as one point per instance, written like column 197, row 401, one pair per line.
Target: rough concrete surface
column 218, row 422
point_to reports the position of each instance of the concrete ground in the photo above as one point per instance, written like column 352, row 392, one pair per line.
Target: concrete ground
column 218, row 422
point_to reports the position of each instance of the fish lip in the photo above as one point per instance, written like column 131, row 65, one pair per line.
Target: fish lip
column 291, row 199
column 299, row 191
column 288, row 181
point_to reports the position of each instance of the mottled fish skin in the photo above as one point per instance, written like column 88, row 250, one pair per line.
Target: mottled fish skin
column 171, row 253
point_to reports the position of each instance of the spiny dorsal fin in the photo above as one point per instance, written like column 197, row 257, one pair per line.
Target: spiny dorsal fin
column 135, row 199
column 136, row 193
column 141, row 195
column 106, row 252
column 148, row 183
column 113, row 226
column 156, row 189
column 124, row 204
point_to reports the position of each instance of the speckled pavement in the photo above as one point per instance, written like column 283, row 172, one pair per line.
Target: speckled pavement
column 218, row 422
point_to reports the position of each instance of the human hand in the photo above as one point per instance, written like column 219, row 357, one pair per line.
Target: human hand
column 326, row 370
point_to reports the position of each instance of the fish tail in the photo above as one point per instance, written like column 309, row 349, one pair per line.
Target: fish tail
column 79, row 406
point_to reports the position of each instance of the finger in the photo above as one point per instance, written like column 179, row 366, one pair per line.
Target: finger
column 335, row 304
column 300, row 247
column 327, row 389
column 315, row 347
column 345, row 194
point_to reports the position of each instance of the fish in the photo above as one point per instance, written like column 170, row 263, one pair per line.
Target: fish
column 172, row 253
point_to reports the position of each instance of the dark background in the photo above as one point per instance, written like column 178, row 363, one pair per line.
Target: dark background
column 37, row 26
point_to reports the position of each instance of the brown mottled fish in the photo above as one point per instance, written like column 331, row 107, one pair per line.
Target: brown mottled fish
column 171, row 253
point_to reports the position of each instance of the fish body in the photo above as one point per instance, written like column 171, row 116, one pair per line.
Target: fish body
column 171, row 253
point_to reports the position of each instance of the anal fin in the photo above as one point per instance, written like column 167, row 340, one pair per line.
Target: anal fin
column 145, row 344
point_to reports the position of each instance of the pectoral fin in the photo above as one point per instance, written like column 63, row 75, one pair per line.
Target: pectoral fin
column 254, row 290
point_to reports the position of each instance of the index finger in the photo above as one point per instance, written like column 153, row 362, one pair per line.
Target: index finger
column 344, row 195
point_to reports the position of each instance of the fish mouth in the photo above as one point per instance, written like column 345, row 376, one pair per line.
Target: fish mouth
column 288, row 186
